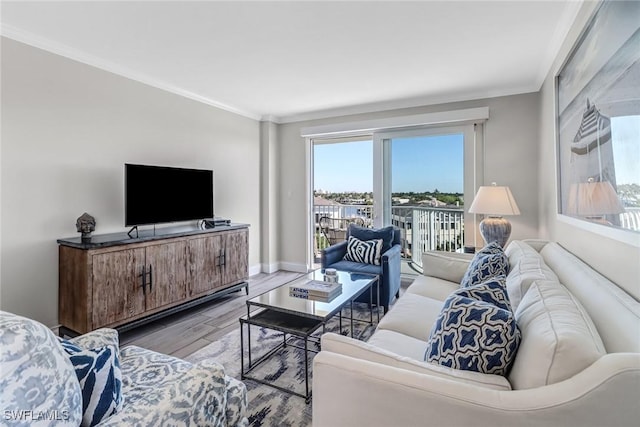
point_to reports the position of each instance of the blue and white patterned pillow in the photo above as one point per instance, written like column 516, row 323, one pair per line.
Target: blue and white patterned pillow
column 489, row 262
column 473, row 335
column 492, row 291
column 36, row 376
column 364, row 251
column 98, row 371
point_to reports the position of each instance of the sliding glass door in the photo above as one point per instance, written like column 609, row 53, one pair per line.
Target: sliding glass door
column 421, row 188
column 342, row 189
column 417, row 180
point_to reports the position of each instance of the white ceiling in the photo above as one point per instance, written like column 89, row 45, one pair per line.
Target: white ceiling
column 286, row 61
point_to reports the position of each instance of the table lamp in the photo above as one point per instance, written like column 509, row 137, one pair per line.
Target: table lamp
column 593, row 200
column 494, row 201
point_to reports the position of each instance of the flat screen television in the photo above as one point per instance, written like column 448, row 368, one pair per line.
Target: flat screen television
column 160, row 194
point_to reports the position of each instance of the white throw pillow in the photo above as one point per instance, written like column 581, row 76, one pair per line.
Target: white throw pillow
column 558, row 340
column 523, row 273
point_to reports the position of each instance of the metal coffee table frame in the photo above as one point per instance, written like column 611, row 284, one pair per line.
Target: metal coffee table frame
column 300, row 326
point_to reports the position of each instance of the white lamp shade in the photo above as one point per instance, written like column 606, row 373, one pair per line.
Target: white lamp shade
column 494, row 200
column 592, row 198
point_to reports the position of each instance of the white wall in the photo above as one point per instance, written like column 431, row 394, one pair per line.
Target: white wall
column 618, row 261
column 511, row 153
column 67, row 130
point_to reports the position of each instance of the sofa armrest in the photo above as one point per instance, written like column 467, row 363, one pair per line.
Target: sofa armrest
column 333, row 254
column 445, row 265
column 99, row 338
column 361, row 350
column 198, row 397
column 348, row 391
column 391, row 265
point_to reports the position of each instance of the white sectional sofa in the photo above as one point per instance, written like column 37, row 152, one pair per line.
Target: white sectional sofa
column 578, row 363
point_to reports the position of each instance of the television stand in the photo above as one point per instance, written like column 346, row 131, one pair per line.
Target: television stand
column 116, row 281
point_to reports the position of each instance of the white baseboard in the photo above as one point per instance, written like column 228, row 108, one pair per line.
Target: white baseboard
column 290, row 266
column 256, row 269
column 270, row 268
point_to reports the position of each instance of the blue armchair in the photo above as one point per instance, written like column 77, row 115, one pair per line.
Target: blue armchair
column 388, row 270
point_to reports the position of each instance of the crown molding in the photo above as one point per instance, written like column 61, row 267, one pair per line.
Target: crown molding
column 61, row 49
column 399, row 104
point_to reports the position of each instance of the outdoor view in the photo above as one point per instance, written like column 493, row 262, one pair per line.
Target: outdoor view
column 427, row 201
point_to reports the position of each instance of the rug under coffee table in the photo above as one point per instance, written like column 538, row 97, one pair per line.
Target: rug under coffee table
column 297, row 319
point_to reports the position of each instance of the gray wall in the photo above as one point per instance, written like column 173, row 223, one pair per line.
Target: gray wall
column 594, row 244
column 67, row 130
column 511, row 158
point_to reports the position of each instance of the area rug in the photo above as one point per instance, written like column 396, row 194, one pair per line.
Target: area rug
column 269, row 406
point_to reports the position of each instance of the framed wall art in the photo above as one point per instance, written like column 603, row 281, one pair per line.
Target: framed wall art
column 598, row 120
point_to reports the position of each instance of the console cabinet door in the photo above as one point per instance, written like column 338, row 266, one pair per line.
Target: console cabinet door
column 117, row 286
column 203, row 261
column 236, row 258
column 166, row 270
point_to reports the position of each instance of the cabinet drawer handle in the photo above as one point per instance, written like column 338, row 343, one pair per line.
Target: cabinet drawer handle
column 150, row 277
column 144, row 279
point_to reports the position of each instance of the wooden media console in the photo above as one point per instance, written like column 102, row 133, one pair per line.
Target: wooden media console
column 121, row 282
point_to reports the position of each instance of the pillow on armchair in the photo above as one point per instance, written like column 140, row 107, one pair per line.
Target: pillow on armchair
column 365, row 234
column 364, row 252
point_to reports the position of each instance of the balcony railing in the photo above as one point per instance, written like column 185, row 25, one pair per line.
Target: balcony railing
column 422, row 228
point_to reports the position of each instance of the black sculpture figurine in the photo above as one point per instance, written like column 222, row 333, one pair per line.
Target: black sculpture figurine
column 86, row 224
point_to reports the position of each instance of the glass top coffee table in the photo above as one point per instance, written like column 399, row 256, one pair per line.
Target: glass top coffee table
column 299, row 317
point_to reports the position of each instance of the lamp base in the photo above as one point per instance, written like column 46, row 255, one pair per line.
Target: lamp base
column 495, row 229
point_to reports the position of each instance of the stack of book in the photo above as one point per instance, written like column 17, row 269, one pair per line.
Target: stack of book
column 316, row 290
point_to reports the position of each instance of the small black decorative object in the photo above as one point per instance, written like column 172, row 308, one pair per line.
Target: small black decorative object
column 86, row 224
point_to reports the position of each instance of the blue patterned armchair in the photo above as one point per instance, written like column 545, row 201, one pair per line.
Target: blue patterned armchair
column 39, row 381
column 388, row 270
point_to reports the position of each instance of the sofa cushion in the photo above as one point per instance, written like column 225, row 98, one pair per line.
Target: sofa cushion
column 98, row 371
column 36, row 374
column 488, row 262
column 412, row 315
column 558, row 337
column 163, row 390
column 525, row 266
column 449, row 266
column 473, row 335
column 356, row 267
column 364, row 251
column 398, row 343
column 521, row 275
column 432, row 287
column 393, row 349
column 363, row 233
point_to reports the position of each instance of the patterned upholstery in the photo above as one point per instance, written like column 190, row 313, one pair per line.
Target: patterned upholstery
column 364, row 252
column 474, row 335
column 98, row 370
column 36, row 377
column 489, row 262
column 157, row 389
column 493, row 291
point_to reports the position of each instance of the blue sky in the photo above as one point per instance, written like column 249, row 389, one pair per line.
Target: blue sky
column 418, row 164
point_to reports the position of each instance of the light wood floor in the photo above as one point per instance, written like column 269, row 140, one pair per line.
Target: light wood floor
column 183, row 333
column 186, row 332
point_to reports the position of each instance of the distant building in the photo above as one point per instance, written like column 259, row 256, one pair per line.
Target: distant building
column 325, row 207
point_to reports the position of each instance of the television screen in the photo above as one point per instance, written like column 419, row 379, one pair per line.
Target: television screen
column 157, row 194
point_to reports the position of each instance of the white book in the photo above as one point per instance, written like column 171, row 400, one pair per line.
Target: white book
column 313, row 297
column 316, row 287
